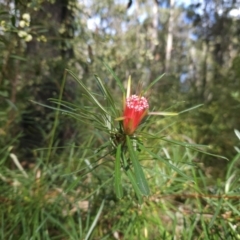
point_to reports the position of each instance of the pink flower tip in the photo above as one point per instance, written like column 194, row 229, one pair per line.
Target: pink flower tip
column 135, row 110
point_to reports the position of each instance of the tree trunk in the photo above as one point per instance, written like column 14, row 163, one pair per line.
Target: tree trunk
column 169, row 37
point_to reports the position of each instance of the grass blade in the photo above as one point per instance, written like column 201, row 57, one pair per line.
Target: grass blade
column 165, row 161
column 94, row 223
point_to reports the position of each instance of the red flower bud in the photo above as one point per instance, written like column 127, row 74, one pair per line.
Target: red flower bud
column 134, row 111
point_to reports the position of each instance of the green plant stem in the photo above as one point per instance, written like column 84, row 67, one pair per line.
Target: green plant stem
column 56, row 118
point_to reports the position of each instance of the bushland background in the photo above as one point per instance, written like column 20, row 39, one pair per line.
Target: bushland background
column 57, row 193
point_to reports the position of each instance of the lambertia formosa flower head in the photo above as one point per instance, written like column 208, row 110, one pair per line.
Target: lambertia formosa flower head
column 135, row 109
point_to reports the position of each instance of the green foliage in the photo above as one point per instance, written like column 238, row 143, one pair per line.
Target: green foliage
column 180, row 189
column 67, row 169
column 74, row 198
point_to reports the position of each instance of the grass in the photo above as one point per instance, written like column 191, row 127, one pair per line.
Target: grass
column 72, row 197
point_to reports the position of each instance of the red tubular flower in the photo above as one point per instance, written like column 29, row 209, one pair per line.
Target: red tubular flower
column 135, row 110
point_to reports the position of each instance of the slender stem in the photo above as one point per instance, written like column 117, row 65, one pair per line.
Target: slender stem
column 56, row 118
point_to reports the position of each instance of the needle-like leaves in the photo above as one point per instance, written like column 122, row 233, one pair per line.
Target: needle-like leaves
column 117, row 172
column 139, row 174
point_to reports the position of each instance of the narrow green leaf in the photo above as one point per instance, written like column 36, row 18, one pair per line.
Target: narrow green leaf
column 101, row 86
column 13, row 20
column 237, row 133
column 55, row 123
column 63, row 110
column 140, row 177
column 94, row 223
column 163, row 113
column 218, row 208
column 94, row 100
column 57, row 222
column 232, row 166
column 47, row 106
column 106, row 93
column 115, row 77
column 82, row 116
column 194, row 147
column 117, row 180
column 18, row 57
column 134, row 184
column 190, row 109
column 154, row 82
column 165, row 161
column 64, row 104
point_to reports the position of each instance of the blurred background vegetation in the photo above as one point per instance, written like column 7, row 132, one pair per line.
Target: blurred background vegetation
column 62, row 194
